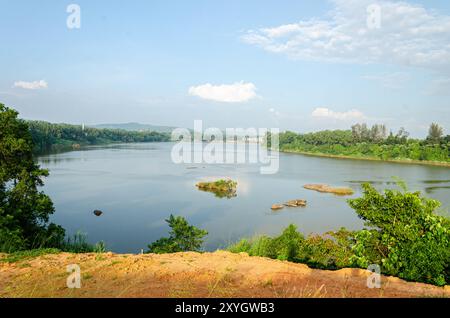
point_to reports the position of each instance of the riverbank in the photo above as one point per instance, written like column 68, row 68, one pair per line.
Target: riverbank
column 218, row 274
column 399, row 161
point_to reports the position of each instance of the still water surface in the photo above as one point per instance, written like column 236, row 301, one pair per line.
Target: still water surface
column 137, row 186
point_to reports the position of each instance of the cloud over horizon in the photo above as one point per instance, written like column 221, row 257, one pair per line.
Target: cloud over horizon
column 31, row 85
column 354, row 114
column 233, row 93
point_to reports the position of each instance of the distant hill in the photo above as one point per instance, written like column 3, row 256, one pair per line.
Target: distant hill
column 135, row 127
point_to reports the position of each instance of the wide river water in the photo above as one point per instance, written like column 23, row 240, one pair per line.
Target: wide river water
column 137, row 186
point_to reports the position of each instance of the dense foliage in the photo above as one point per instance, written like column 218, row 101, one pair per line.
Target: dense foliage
column 24, row 210
column 404, row 237
column 364, row 142
column 53, row 137
column 330, row 251
column 182, row 237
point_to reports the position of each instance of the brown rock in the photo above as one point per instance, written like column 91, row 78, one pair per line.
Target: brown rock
column 276, row 207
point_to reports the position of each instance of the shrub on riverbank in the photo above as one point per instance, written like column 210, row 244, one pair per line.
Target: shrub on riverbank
column 25, row 210
column 329, row 251
column 183, row 237
column 404, row 237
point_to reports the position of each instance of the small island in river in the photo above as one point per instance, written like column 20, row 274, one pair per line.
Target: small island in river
column 324, row 188
column 221, row 188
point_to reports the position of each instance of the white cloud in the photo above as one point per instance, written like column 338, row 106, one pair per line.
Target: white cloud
column 274, row 112
column 233, row 93
column 353, row 114
column 31, row 85
column 409, row 35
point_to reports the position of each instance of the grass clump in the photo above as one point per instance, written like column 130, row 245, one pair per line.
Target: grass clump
column 26, row 255
column 78, row 243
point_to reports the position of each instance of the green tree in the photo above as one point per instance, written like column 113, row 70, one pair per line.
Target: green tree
column 183, row 237
column 402, row 136
column 24, row 210
column 406, row 238
column 435, row 133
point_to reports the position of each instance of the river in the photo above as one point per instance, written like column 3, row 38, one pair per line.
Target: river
column 137, row 186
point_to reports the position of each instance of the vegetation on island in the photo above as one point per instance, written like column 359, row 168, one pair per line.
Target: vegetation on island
column 221, row 188
column 373, row 142
column 49, row 137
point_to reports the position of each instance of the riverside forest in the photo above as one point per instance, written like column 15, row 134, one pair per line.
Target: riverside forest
column 361, row 142
column 374, row 143
column 402, row 229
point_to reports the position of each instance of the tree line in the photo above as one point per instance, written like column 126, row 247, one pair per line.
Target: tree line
column 53, row 137
column 371, row 142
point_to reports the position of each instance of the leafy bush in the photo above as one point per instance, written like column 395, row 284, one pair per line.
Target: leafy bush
column 407, row 239
column 404, row 237
column 182, row 238
column 331, row 251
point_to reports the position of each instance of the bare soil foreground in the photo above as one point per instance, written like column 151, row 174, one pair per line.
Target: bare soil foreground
column 219, row 274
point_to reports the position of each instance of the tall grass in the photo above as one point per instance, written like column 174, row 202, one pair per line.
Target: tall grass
column 78, row 244
column 331, row 251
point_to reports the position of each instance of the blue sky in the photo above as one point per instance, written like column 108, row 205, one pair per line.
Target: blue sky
column 298, row 65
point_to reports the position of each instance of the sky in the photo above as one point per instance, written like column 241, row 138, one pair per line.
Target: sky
column 298, row 65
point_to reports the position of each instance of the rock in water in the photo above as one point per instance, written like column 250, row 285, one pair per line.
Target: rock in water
column 98, row 212
column 276, row 207
column 295, row 203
